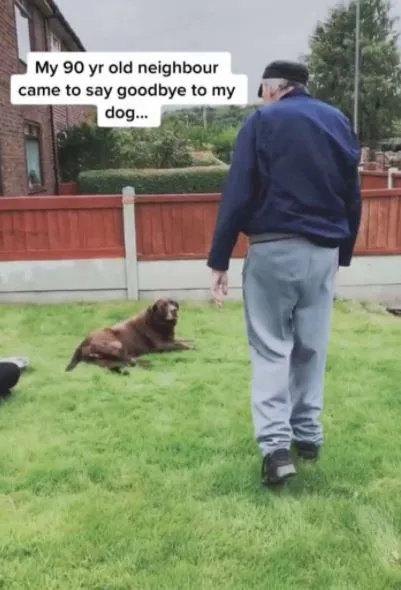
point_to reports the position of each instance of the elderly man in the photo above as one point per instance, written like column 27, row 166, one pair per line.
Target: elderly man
column 293, row 189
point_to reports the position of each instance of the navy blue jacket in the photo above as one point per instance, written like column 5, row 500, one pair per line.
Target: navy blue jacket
column 294, row 170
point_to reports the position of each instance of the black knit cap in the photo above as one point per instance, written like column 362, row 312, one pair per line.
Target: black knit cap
column 289, row 70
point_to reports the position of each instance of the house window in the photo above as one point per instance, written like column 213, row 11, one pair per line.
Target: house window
column 33, row 156
column 55, row 43
column 23, row 27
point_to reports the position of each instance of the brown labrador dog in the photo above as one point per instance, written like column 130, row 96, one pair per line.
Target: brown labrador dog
column 119, row 346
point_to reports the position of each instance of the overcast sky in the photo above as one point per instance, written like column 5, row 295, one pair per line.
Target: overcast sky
column 254, row 31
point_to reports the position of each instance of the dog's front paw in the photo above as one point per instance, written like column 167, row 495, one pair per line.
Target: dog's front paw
column 189, row 344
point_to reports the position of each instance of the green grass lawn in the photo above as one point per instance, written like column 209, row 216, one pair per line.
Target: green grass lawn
column 152, row 481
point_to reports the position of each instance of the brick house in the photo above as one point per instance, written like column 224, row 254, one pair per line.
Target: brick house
column 28, row 156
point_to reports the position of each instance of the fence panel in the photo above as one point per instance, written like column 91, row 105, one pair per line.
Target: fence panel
column 380, row 231
column 180, row 227
column 177, row 227
column 168, row 227
column 60, row 228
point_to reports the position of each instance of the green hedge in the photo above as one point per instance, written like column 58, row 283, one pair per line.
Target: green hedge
column 200, row 179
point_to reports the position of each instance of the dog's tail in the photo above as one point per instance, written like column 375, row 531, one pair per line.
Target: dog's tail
column 76, row 358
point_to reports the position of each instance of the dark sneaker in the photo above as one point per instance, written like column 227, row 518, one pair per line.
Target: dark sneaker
column 277, row 468
column 306, row 450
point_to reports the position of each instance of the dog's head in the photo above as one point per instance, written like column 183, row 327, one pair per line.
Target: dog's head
column 165, row 311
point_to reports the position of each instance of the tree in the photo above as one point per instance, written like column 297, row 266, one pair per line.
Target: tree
column 331, row 63
column 217, row 117
column 85, row 147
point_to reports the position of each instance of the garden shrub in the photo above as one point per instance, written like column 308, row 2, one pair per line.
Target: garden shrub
column 89, row 147
column 223, row 143
column 86, row 147
column 196, row 179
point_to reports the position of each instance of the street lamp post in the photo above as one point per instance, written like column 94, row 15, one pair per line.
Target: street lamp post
column 357, row 64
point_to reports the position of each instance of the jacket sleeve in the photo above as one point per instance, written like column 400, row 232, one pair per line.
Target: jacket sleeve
column 353, row 205
column 237, row 195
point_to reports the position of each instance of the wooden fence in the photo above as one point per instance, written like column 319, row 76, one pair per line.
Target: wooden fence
column 372, row 179
column 61, row 228
column 380, row 230
column 177, row 227
column 167, row 227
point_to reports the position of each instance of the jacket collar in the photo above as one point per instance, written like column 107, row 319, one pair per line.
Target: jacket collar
column 296, row 92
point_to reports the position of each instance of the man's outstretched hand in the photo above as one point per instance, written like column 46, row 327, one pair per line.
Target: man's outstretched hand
column 219, row 286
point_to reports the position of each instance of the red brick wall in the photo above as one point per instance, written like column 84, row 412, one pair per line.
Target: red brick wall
column 68, row 116
column 12, row 158
column 40, row 114
column 13, row 174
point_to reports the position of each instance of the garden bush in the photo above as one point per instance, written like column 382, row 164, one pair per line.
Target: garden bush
column 89, row 147
column 84, row 147
column 196, row 179
column 152, row 148
column 223, row 143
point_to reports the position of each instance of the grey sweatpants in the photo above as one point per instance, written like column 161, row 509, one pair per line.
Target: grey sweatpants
column 288, row 289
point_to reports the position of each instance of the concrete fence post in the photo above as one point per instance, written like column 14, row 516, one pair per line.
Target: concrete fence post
column 390, row 177
column 131, row 262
